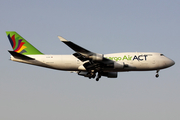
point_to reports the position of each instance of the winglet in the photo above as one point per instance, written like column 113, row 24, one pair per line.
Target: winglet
column 62, row 39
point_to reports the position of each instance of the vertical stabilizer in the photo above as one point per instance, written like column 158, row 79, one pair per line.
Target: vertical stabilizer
column 20, row 45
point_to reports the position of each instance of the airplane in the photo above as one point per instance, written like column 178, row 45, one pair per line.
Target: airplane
column 86, row 63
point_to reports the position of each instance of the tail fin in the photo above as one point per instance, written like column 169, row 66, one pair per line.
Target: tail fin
column 20, row 45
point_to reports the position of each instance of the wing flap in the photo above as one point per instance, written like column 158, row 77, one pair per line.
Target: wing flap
column 80, row 57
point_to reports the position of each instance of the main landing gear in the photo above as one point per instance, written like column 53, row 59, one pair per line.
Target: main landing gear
column 92, row 74
column 157, row 74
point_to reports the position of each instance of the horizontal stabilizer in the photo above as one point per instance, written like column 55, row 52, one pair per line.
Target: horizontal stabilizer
column 20, row 56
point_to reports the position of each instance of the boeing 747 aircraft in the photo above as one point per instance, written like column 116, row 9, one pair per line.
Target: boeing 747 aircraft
column 85, row 62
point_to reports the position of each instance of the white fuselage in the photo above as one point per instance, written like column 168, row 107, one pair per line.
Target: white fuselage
column 136, row 61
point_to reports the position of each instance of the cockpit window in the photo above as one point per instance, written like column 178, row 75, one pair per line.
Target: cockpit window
column 161, row 54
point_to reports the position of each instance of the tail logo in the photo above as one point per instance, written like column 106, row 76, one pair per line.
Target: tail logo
column 17, row 44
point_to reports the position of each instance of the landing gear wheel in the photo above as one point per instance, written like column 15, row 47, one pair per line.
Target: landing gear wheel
column 97, row 79
column 157, row 75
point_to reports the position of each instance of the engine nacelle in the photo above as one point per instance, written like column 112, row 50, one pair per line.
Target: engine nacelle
column 115, row 65
column 110, row 74
column 118, row 65
column 84, row 73
column 97, row 57
column 106, row 74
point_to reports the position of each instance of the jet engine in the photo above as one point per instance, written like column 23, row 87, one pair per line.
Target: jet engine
column 106, row 74
column 84, row 73
column 97, row 57
column 110, row 74
column 115, row 65
column 118, row 65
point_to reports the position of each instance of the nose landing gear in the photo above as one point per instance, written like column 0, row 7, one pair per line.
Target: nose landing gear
column 98, row 77
column 157, row 74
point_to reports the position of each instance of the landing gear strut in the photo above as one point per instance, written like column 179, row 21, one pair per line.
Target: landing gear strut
column 92, row 74
column 98, row 76
column 157, row 73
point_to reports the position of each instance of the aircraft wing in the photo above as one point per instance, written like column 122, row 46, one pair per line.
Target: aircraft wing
column 75, row 47
column 96, row 61
column 80, row 50
column 82, row 53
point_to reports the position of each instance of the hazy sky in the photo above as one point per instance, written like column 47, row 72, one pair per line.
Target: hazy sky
column 33, row 93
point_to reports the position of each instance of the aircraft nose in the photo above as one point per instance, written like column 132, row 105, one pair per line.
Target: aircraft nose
column 172, row 62
column 169, row 62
